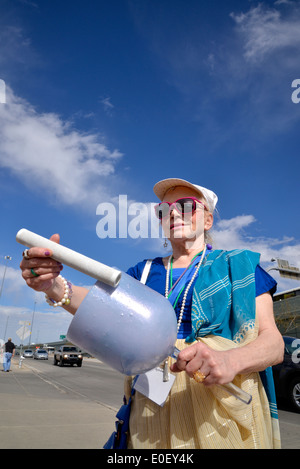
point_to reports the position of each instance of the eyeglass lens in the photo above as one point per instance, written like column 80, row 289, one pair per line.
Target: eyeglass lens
column 182, row 206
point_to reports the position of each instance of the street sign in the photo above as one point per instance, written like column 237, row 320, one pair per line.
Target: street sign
column 62, row 337
column 23, row 332
column 286, row 270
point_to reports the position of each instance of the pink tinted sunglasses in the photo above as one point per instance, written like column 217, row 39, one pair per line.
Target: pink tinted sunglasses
column 183, row 206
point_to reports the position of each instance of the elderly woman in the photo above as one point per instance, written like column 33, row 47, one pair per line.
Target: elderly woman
column 226, row 331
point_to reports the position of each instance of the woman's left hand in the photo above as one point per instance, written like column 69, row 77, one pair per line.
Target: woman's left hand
column 216, row 366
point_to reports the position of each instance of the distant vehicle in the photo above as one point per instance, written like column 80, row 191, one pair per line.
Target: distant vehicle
column 287, row 374
column 40, row 354
column 67, row 354
column 28, row 353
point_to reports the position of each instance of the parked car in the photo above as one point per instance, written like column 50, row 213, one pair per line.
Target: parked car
column 67, row 354
column 28, row 353
column 40, row 354
column 287, row 374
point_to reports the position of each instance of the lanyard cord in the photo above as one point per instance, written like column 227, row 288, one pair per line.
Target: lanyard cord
column 171, row 273
column 188, row 286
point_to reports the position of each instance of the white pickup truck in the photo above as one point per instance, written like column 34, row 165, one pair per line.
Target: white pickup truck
column 67, row 354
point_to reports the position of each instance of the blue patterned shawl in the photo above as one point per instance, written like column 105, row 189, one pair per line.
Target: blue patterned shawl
column 224, row 303
column 224, row 295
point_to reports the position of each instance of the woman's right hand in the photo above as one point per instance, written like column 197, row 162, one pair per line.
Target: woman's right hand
column 41, row 263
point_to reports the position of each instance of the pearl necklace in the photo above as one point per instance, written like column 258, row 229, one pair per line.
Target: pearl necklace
column 188, row 286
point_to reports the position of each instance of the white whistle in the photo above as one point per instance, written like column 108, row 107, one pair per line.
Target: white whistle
column 73, row 259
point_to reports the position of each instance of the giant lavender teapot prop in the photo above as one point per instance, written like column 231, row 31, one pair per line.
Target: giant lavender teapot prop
column 121, row 321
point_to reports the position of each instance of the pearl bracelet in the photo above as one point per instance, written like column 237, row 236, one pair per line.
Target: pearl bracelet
column 66, row 299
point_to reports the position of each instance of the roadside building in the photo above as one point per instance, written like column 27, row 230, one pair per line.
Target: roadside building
column 287, row 312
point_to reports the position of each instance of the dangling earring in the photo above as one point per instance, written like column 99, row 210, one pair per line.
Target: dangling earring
column 165, row 243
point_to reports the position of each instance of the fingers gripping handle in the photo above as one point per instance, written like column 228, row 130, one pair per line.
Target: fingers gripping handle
column 229, row 387
column 73, row 259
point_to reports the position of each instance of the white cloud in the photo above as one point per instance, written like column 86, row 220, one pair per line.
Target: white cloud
column 236, row 223
column 265, row 31
column 16, row 45
column 257, row 61
column 2, row 92
column 46, row 326
column 232, row 234
column 15, row 290
column 13, row 279
column 49, row 323
column 284, row 2
column 46, row 153
column 107, row 105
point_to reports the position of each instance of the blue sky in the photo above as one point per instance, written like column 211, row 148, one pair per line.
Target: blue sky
column 105, row 98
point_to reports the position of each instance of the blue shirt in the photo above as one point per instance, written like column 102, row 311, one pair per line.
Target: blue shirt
column 157, row 281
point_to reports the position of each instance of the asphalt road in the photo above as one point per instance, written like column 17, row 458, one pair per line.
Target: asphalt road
column 94, row 380
column 47, row 407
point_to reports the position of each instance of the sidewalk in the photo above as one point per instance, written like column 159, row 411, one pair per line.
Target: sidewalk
column 57, row 421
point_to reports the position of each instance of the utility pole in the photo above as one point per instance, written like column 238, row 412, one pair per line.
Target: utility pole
column 6, row 258
column 30, row 337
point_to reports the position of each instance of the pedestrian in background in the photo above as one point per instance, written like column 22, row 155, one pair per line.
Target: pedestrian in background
column 8, row 354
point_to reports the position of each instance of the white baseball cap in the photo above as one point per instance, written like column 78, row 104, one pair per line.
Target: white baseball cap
column 164, row 185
